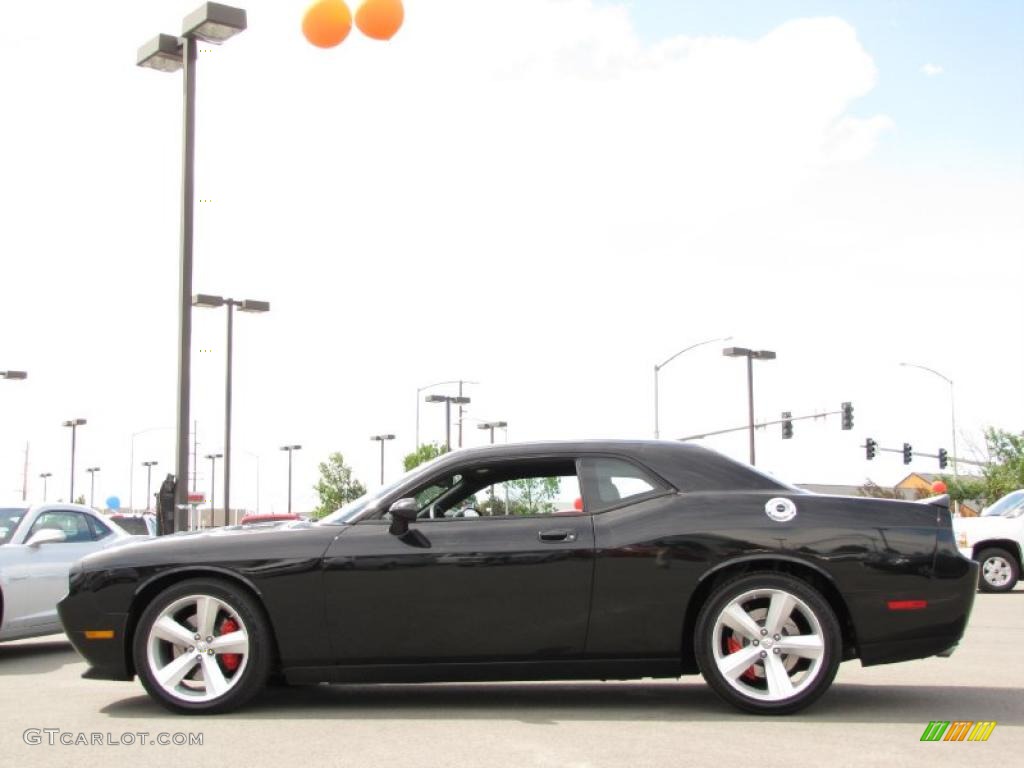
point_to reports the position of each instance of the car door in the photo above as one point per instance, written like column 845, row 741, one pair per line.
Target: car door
column 36, row 577
column 467, row 584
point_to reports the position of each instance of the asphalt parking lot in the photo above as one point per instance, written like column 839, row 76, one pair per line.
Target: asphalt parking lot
column 870, row 717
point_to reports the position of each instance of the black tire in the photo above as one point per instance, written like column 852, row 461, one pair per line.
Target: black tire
column 812, row 677
column 258, row 661
column 1000, row 563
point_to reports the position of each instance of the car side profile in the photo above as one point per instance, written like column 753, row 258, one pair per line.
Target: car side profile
column 996, row 540
column 37, row 547
column 568, row 560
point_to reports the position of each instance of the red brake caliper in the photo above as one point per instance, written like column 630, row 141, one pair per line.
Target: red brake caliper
column 733, row 645
column 229, row 661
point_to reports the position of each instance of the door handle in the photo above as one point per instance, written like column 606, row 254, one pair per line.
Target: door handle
column 557, row 536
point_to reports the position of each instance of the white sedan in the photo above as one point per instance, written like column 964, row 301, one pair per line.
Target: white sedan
column 38, row 544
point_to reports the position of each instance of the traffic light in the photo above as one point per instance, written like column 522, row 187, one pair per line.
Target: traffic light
column 870, row 448
column 847, row 415
column 787, row 425
column 908, row 453
column 943, row 458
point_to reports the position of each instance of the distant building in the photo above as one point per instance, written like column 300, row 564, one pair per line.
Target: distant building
column 920, row 483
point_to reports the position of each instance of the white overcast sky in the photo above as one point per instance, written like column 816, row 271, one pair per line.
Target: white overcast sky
column 545, row 196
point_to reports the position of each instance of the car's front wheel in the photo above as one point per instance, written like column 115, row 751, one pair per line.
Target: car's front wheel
column 203, row 646
column 768, row 643
column 999, row 570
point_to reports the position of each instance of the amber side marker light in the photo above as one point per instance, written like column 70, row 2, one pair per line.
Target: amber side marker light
column 907, row 605
column 99, row 634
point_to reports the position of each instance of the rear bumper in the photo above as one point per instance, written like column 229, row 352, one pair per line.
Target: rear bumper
column 902, row 635
column 108, row 658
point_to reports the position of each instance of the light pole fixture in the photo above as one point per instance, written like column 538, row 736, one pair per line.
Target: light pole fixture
column 45, row 476
column 13, row 375
column 382, row 439
column 246, row 305
column 460, row 382
column 213, row 485
column 952, row 403
column 210, row 23
column 291, row 449
column 448, row 400
column 492, row 425
column 74, row 424
column 657, row 370
column 92, row 485
column 751, row 356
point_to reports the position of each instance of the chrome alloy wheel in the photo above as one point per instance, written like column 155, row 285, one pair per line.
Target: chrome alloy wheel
column 996, row 571
column 768, row 645
column 197, row 648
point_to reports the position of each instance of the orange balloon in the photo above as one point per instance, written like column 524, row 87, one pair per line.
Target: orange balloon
column 939, row 487
column 326, row 23
column 380, row 19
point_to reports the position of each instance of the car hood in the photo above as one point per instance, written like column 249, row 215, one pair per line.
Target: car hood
column 978, row 528
column 235, row 543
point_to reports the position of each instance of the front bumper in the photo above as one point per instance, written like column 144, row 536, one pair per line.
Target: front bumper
column 108, row 658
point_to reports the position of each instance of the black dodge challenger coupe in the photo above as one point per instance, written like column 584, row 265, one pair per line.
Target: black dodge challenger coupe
column 545, row 561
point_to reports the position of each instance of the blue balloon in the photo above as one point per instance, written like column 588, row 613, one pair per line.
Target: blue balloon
column 113, row 503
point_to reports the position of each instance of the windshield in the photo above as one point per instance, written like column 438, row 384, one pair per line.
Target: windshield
column 9, row 519
column 1011, row 505
column 369, row 500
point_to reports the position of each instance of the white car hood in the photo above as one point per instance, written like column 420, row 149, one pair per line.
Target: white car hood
column 981, row 528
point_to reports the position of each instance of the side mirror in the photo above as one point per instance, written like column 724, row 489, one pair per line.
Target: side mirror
column 45, row 536
column 402, row 513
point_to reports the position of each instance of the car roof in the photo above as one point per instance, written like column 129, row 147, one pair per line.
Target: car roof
column 684, row 465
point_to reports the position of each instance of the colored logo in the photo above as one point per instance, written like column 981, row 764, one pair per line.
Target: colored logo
column 958, row 730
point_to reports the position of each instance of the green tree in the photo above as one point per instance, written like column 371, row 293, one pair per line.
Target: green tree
column 532, row 495
column 336, row 486
column 1003, row 473
column 425, row 452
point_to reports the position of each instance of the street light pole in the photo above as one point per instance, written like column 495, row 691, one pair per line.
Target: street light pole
column 290, row 449
column 211, row 23
column 92, row 485
column 460, row 382
column 751, row 355
column 246, row 305
column 657, row 370
column 382, row 439
column 492, row 425
column 952, row 411
column 213, row 486
column 448, row 400
column 131, row 471
column 45, row 476
column 74, row 424
column 149, row 477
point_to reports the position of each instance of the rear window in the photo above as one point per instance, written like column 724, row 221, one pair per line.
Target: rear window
column 9, row 519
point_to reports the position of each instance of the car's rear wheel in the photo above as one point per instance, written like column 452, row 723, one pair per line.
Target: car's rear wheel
column 203, row 646
column 999, row 570
column 768, row 643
